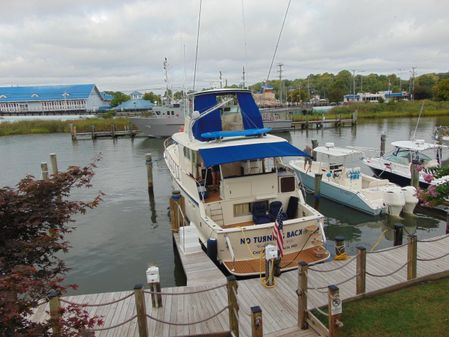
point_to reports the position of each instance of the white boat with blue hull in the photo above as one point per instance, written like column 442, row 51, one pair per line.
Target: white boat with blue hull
column 350, row 187
column 235, row 185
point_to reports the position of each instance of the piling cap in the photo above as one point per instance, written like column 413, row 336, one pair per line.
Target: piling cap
column 339, row 238
column 175, row 195
column 153, row 274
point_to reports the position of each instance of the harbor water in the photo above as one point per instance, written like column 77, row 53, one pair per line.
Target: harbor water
column 115, row 243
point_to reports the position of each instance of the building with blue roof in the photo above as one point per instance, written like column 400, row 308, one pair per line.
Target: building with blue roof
column 52, row 99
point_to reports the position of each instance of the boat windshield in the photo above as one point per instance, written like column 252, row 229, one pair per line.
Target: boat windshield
column 404, row 156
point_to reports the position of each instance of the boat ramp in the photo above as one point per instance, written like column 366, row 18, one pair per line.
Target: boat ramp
column 212, row 305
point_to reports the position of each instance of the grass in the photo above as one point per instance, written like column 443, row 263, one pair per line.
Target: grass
column 54, row 126
column 385, row 110
column 418, row 311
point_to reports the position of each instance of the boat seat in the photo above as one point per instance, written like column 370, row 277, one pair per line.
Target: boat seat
column 275, row 208
column 260, row 215
column 292, row 208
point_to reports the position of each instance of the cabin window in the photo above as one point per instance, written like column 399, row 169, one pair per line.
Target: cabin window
column 242, row 209
column 287, row 184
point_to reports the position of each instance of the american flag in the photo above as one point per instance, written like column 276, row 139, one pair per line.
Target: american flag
column 278, row 234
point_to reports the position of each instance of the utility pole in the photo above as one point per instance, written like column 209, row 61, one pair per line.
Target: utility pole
column 243, row 78
column 221, row 79
column 353, row 85
column 280, row 65
column 412, row 84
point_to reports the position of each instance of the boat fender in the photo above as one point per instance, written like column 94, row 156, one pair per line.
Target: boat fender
column 349, row 174
column 328, row 174
column 212, row 249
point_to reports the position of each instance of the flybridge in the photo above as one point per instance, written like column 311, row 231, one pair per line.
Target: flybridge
column 206, row 117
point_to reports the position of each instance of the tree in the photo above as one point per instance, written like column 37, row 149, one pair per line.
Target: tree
column 441, row 90
column 119, row 97
column 35, row 216
column 152, row 97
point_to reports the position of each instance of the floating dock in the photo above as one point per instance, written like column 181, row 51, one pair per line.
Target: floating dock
column 202, row 307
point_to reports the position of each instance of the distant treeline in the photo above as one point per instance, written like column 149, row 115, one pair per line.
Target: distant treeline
column 334, row 87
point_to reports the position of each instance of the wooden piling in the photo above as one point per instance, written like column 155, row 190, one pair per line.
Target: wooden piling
column 361, row 270
column 339, row 245
column 54, row 163
column 354, row 118
column 44, row 170
column 139, row 298
column 92, row 132
column 398, row 233
column 317, row 191
column 302, row 294
column 149, row 164
column 73, row 132
column 113, row 130
column 412, row 251
column 382, row 144
column 153, row 280
column 414, row 174
column 269, row 272
column 233, row 305
column 176, row 202
column 256, row 322
column 335, row 310
column 55, row 312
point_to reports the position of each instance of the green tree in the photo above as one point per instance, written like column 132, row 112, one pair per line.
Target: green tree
column 119, row 97
column 152, row 97
column 424, row 86
column 441, row 90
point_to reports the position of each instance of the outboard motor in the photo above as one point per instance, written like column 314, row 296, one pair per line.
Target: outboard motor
column 410, row 199
column 394, row 201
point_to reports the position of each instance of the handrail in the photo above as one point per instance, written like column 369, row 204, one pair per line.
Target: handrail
column 231, row 251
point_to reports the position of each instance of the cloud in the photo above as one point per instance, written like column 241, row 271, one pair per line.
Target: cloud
column 121, row 45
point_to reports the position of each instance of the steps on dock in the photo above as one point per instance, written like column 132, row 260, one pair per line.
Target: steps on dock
column 188, row 240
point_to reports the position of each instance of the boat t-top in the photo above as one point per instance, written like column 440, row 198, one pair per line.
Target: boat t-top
column 343, row 182
column 236, row 186
column 395, row 165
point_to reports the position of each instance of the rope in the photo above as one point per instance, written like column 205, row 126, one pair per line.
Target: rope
column 336, row 284
column 277, row 43
column 385, row 250
column 318, row 309
column 97, row 305
column 434, row 240
column 389, row 274
column 334, row 269
column 45, row 301
column 115, row 326
column 185, row 293
column 188, row 323
column 432, row 258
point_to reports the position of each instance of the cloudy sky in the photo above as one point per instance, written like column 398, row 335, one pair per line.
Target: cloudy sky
column 121, row 45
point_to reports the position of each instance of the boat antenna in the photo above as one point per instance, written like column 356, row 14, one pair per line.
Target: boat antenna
column 197, row 43
column 244, row 44
column 417, row 122
column 277, row 43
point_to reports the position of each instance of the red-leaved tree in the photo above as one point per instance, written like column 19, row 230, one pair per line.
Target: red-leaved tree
column 35, row 217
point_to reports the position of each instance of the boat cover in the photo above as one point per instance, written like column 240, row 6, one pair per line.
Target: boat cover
column 235, row 133
column 228, row 154
column 251, row 117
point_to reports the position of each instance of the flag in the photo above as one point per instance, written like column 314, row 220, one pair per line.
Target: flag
column 278, row 234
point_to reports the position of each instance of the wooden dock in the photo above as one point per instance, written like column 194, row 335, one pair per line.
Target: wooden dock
column 388, row 268
column 94, row 134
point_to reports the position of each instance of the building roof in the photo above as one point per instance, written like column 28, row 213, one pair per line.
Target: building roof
column 105, row 96
column 46, row 93
column 135, row 104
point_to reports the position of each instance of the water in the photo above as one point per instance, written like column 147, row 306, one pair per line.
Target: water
column 114, row 243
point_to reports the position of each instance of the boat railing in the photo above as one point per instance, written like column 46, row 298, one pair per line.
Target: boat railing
column 231, row 251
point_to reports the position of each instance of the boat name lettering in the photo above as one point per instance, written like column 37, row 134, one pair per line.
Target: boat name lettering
column 268, row 238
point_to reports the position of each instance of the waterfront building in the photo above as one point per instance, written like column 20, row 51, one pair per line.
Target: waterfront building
column 135, row 104
column 52, row 99
column 266, row 97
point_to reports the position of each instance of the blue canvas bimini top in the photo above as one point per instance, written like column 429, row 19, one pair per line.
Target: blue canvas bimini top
column 235, row 133
column 222, row 155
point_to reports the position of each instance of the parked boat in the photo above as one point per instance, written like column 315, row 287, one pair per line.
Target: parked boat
column 395, row 165
column 346, row 184
column 235, row 185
